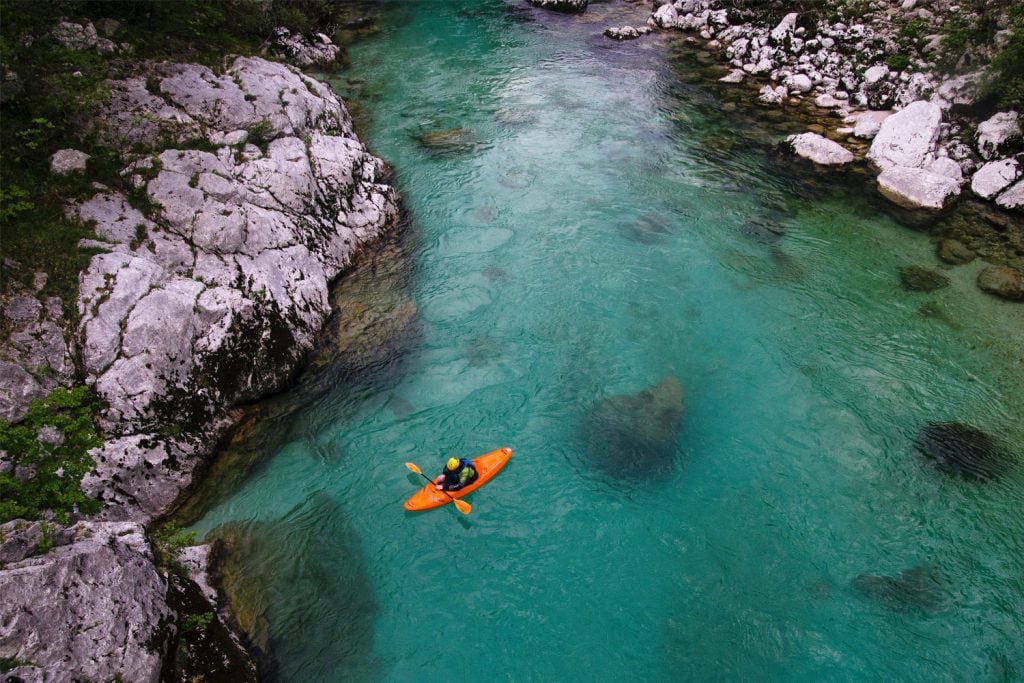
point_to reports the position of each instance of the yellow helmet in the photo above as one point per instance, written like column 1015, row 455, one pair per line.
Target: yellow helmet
column 453, row 464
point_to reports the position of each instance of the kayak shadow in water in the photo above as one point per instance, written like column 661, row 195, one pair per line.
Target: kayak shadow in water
column 632, row 437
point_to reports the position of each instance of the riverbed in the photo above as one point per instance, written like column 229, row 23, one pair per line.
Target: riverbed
column 586, row 219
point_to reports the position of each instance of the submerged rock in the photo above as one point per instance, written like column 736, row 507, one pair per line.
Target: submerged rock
column 918, row 279
column 954, row 252
column 917, row 588
column 299, row 584
column 962, row 451
column 1004, row 282
column 647, row 228
column 450, row 141
column 633, row 436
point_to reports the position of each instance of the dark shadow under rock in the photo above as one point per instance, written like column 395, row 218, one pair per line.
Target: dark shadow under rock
column 918, row 279
column 917, row 588
column 298, row 587
column 762, row 231
column 633, row 436
column 963, row 451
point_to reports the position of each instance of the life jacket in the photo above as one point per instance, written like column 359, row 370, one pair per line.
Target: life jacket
column 453, row 478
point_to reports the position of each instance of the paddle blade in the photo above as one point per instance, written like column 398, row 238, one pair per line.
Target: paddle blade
column 462, row 506
column 412, row 466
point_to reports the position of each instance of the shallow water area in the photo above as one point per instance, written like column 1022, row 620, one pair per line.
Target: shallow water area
column 588, row 224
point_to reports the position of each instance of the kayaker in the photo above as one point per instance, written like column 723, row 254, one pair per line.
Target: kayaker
column 457, row 473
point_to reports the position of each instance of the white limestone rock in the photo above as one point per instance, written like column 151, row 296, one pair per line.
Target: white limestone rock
column 665, row 16
column 734, row 76
column 997, row 134
column 784, row 28
column 819, row 149
column 626, row 32
column 914, row 187
column 1013, row 198
column 947, row 167
column 93, row 608
column 769, row 95
column 303, row 51
column 82, row 37
column 211, row 299
column 907, row 138
column 68, row 161
column 994, row 177
column 798, row 84
column 570, row 6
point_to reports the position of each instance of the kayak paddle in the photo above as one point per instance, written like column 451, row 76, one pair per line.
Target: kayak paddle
column 461, row 505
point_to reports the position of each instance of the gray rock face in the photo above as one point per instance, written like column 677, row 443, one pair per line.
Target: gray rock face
column 819, row 149
column 994, row 177
column 66, row 161
column 317, row 50
column 211, row 299
column 626, row 32
column 571, row 6
column 1013, row 198
column 998, row 134
column 81, row 37
column 917, row 188
column 97, row 608
column 907, row 138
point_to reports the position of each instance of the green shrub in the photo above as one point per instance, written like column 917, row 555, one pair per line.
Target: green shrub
column 898, row 62
column 197, row 622
column 168, row 541
column 55, row 470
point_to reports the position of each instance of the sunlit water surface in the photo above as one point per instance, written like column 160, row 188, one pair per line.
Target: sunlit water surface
column 597, row 226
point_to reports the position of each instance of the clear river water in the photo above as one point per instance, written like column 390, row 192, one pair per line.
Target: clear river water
column 586, row 219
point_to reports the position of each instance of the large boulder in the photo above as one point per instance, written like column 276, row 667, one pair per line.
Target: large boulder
column 279, row 574
column 962, row 451
column 1013, row 198
column 318, row 50
column 81, row 37
column 819, row 149
column 632, row 437
column 1004, row 282
column 916, row 188
column 92, row 608
column 211, row 299
column 907, row 138
column 994, row 177
column 571, row 6
column 999, row 135
column 68, row 161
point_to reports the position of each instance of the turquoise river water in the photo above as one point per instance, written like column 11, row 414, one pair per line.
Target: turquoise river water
column 596, row 225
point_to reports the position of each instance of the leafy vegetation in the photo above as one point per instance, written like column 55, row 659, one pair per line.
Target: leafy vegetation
column 168, row 542
column 197, row 622
column 50, row 93
column 48, row 451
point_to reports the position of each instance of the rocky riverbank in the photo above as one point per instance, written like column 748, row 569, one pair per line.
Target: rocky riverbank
column 208, row 285
column 881, row 75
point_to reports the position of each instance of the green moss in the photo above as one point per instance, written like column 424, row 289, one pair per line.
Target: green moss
column 56, row 469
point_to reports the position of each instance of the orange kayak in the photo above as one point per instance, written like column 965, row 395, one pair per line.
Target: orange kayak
column 487, row 465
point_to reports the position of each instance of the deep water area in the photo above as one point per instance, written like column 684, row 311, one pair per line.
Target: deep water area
column 602, row 243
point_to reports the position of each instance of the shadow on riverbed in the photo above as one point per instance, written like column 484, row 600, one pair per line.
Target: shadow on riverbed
column 299, row 585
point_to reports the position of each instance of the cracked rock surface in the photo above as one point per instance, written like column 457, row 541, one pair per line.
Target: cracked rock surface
column 105, row 608
column 211, row 297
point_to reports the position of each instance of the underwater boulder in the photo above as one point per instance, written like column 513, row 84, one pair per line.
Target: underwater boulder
column 919, row 279
column 962, row 451
column 633, row 436
column 917, row 588
column 449, row 141
column 299, row 585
